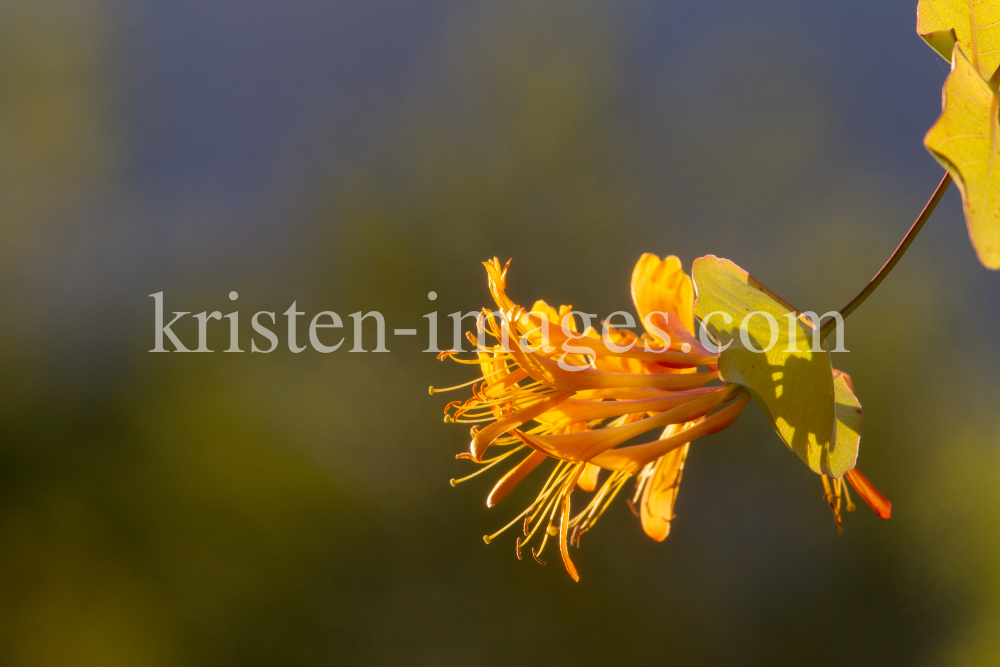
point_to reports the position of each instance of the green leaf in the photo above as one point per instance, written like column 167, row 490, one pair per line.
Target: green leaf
column 844, row 452
column 966, row 141
column 973, row 24
column 795, row 389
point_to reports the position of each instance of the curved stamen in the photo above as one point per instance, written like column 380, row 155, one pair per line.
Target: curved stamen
column 488, row 464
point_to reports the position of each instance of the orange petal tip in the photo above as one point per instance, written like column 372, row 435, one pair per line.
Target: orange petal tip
column 868, row 492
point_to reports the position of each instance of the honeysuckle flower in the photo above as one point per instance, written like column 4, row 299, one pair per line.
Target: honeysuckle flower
column 548, row 391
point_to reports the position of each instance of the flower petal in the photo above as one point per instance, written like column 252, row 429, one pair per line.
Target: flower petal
column 632, row 459
column 661, row 287
column 574, row 410
column 581, row 377
column 588, row 480
column 588, row 444
column 482, row 439
column 514, row 477
column 871, row 495
column 564, row 521
column 660, row 493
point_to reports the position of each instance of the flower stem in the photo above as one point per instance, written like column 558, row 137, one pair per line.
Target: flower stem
column 893, row 260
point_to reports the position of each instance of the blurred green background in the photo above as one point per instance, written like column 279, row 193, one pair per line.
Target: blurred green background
column 295, row 509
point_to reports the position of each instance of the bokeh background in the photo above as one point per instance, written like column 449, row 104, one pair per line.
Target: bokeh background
column 289, row 509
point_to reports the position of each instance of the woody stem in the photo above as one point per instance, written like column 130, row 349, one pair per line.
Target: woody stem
column 893, row 259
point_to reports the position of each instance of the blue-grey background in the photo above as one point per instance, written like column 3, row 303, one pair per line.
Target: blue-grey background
column 295, row 509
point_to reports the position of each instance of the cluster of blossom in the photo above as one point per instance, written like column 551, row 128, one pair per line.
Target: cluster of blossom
column 549, row 392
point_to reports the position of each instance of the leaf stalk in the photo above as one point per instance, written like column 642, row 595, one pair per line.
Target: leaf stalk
column 893, row 259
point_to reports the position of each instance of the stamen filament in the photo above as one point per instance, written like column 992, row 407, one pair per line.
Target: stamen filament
column 489, row 464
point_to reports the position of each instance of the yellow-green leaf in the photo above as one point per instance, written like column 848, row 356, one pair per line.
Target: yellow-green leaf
column 973, row 24
column 966, row 141
column 844, row 451
column 794, row 388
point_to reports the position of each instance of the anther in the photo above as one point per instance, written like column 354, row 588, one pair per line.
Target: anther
column 631, row 506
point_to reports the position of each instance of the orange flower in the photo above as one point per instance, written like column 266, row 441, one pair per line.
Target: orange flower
column 548, row 391
column 551, row 392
